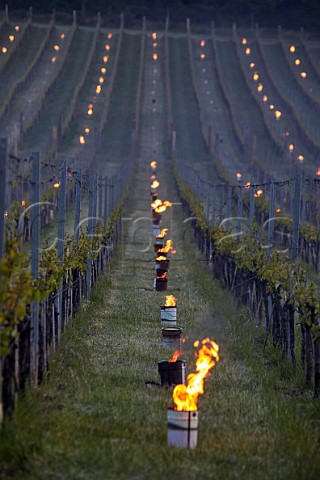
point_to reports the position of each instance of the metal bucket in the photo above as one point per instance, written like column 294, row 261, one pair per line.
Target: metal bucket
column 172, row 373
column 182, row 428
column 162, row 264
column 171, row 337
column 168, row 315
column 155, row 230
column 160, row 284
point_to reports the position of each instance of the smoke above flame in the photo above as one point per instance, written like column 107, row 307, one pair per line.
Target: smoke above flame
column 185, row 397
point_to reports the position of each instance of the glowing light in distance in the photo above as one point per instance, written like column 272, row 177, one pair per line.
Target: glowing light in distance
column 248, row 51
column 292, row 48
column 4, row 49
column 62, row 36
column 56, row 48
column 53, row 59
column 82, row 140
column 155, row 56
column 202, row 43
column 107, row 47
column 154, row 35
column 17, row 28
column 11, row 38
column 103, row 70
column 297, row 61
column 244, row 41
column 252, row 65
column 105, row 58
column 265, row 98
column 255, row 76
column 109, row 35
column 303, row 74
column 98, row 89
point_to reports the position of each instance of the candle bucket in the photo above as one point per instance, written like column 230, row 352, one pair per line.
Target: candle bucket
column 161, row 271
column 159, row 243
column 168, row 315
column 160, row 284
column 162, row 265
column 172, row 373
column 182, row 428
column 171, row 337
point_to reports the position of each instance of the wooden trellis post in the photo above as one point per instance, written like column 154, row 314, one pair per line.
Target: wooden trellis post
column 35, row 248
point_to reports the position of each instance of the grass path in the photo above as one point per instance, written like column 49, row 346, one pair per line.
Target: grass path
column 95, row 417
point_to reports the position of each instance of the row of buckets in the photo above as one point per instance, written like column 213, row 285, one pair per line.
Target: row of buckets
column 182, row 425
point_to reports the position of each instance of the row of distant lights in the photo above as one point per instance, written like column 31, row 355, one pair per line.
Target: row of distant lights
column 56, row 48
column 155, row 44
column 103, row 71
column 11, row 38
column 265, row 99
column 297, row 61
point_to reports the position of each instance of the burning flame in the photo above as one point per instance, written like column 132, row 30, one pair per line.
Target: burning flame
column 153, row 164
column 156, row 203
column 163, row 233
column 155, row 184
column 175, row 355
column 162, row 276
column 158, row 259
column 171, row 301
column 167, row 248
column 159, row 206
column 185, row 397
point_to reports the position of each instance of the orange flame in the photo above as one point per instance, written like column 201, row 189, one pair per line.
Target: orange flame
column 171, row 301
column 185, row 397
column 155, row 184
column 161, row 206
column 167, row 248
column 153, row 164
column 156, row 203
column 175, row 355
column 162, row 276
column 163, row 233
